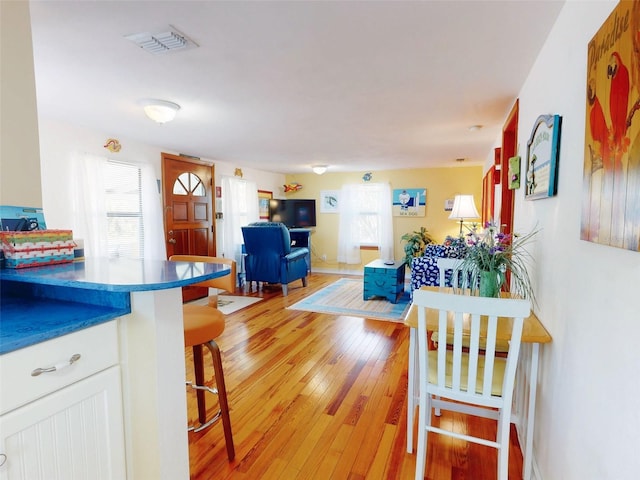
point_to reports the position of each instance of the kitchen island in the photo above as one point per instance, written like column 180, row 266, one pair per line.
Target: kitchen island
column 132, row 312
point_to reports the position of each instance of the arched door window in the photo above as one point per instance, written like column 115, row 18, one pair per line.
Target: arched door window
column 189, row 183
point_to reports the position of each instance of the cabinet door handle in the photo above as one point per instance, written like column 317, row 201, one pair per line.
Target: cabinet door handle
column 59, row 366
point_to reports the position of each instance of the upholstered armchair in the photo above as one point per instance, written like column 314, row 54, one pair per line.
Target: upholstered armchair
column 270, row 257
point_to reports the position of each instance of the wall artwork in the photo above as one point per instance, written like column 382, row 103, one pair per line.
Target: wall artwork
column 329, row 201
column 611, row 178
column 514, row 173
column 263, row 203
column 543, row 150
column 409, row 202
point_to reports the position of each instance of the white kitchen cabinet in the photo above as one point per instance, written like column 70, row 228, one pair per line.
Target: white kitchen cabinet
column 75, row 430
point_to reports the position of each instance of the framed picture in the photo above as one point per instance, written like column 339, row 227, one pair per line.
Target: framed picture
column 329, row 201
column 263, row 203
column 543, row 149
column 514, row 173
column 448, row 204
column 409, row 202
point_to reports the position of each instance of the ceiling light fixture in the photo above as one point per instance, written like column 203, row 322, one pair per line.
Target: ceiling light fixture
column 475, row 128
column 319, row 169
column 160, row 111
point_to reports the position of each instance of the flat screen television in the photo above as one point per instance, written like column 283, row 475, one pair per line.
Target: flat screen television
column 294, row 213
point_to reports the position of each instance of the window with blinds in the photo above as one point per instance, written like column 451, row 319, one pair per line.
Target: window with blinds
column 123, row 194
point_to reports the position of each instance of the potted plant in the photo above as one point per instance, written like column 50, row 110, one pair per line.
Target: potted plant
column 491, row 254
column 416, row 241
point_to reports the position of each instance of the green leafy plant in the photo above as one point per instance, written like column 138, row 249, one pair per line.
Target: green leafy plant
column 416, row 241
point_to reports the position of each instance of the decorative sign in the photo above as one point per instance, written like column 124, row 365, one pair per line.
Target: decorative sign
column 543, row 149
column 409, row 202
column 611, row 177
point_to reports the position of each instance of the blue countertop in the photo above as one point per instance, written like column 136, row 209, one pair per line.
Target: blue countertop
column 41, row 303
column 118, row 275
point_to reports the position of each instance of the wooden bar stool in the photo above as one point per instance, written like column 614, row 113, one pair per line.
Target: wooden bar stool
column 202, row 325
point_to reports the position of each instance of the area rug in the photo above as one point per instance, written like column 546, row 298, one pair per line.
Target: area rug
column 230, row 303
column 344, row 297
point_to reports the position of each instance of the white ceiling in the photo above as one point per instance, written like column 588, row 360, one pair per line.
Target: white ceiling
column 280, row 86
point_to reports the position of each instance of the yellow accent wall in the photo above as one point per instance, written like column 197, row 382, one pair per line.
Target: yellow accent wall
column 441, row 184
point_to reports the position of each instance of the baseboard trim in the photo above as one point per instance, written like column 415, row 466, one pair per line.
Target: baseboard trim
column 535, row 470
column 338, row 271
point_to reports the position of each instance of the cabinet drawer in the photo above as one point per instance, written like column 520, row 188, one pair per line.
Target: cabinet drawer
column 97, row 348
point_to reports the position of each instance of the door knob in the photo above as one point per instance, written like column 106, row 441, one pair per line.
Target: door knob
column 172, row 240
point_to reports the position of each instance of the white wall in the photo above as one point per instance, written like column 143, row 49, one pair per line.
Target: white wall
column 588, row 410
column 59, row 143
column 19, row 155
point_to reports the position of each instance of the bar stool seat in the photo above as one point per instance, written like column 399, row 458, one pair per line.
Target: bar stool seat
column 202, row 325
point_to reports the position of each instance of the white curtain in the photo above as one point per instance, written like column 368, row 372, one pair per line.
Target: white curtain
column 239, row 207
column 152, row 215
column 385, row 232
column 358, row 202
column 349, row 225
column 90, row 210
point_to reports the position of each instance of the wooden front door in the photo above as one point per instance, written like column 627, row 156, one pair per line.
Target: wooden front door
column 189, row 213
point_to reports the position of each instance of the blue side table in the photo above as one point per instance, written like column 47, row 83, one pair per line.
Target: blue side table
column 382, row 280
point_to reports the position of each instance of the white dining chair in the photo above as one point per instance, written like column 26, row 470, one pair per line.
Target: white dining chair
column 454, row 265
column 471, row 380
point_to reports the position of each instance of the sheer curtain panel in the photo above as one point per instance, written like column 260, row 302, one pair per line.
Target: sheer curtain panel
column 365, row 220
column 239, row 208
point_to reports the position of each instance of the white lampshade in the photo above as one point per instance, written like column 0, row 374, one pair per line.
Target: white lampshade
column 160, row 111
column 319, row 169
column 463, row 208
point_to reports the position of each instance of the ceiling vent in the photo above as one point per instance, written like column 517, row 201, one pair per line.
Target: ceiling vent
column 163, row 42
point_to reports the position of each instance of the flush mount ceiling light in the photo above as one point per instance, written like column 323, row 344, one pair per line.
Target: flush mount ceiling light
column 160, row 111
column 474, row 128
column 319, row 169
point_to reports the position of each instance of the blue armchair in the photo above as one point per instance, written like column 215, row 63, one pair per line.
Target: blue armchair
column 269, row 256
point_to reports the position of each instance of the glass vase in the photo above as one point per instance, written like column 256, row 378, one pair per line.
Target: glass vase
column 490, row 283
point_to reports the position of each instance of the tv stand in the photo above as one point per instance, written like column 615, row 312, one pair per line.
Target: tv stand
column 301, row 237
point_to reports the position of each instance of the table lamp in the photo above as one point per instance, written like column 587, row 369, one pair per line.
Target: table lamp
column 463, row 208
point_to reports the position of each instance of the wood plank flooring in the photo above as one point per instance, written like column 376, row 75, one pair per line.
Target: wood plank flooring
column 317, row 396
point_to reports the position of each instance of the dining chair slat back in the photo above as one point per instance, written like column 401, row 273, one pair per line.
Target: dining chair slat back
column 453, row 265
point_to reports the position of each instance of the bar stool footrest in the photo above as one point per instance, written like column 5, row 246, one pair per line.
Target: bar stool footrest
column 214, row 419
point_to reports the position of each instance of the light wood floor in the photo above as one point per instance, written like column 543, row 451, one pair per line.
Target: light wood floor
column 316, row 396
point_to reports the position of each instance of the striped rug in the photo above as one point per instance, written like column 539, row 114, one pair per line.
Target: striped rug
column 344, row 297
